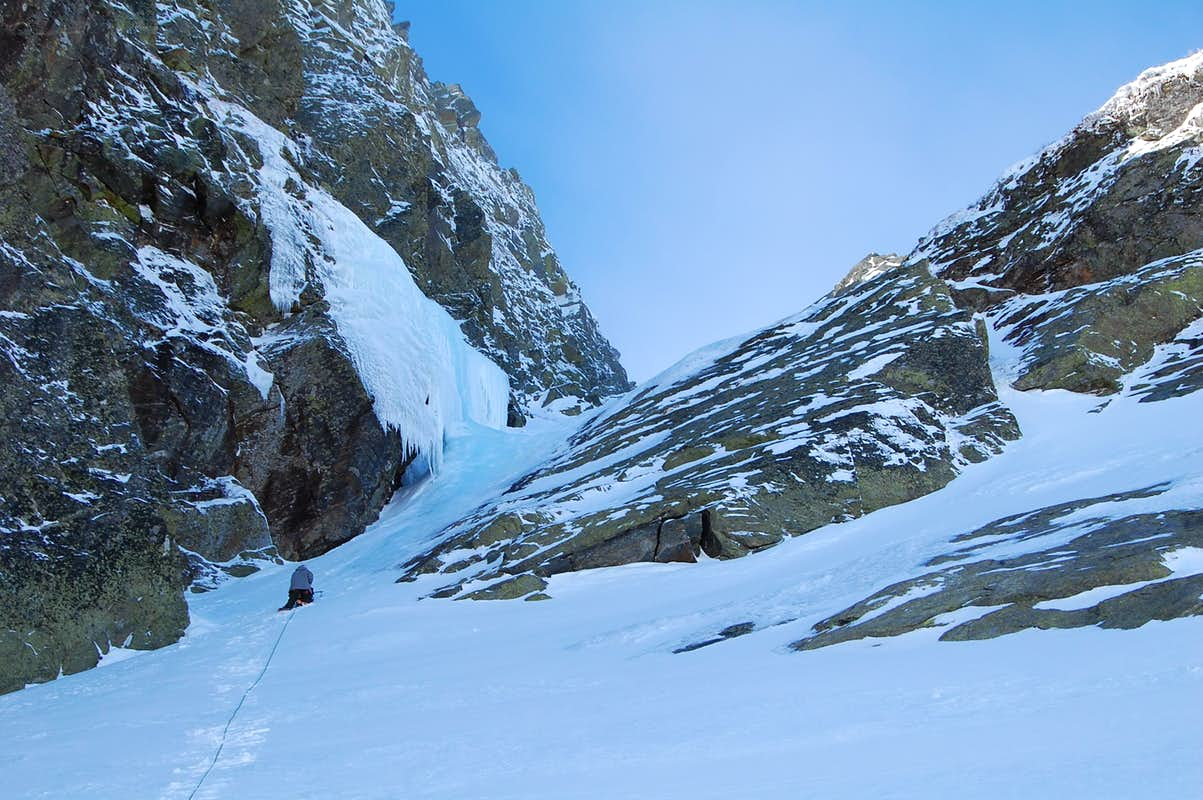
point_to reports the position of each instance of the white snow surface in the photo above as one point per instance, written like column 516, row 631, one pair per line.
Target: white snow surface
column 409, row 352
column 375, row 693
column 874, row 365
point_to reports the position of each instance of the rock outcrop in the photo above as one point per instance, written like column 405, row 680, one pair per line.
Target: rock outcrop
column 183, row 189
column 1079, row 564
column 1097, row 233
column 868, row 268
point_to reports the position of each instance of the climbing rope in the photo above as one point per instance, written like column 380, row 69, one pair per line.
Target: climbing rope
column 238, row 707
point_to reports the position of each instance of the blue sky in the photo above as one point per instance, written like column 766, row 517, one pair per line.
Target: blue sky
column 705, row 168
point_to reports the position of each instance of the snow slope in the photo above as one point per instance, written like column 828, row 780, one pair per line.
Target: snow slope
column 373, row 693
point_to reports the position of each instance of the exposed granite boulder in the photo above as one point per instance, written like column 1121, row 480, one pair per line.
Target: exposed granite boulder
column 874, row 396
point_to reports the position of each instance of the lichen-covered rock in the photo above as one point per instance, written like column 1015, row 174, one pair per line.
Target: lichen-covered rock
column 72, row 592
column 87, row 554
column 874, row 396
column 1086, row 339
column 1079, row 564
column 509, row 589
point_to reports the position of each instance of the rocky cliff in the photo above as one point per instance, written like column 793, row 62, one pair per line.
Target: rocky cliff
column 219, row 224
column 407, row 156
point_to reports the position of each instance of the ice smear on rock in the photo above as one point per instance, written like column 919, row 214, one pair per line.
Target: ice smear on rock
column 409, row 352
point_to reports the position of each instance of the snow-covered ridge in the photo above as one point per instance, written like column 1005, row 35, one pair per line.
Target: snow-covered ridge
column 1084, row 254
column 869, row 268
column 1133, row 99
column 1037, row 205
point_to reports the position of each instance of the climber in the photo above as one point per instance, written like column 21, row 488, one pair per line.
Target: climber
column 300, row 589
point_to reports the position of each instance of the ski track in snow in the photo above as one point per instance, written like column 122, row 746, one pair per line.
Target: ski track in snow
column 375, row 693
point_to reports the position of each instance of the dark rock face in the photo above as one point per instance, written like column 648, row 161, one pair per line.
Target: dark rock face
column 336, row 465
column 1105, row 570
column 115, row 447
column 874, row 396
column 112, row 585
column 163, row 410
column 84, row 559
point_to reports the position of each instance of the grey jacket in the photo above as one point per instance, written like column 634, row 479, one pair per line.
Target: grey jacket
column 302, row 578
